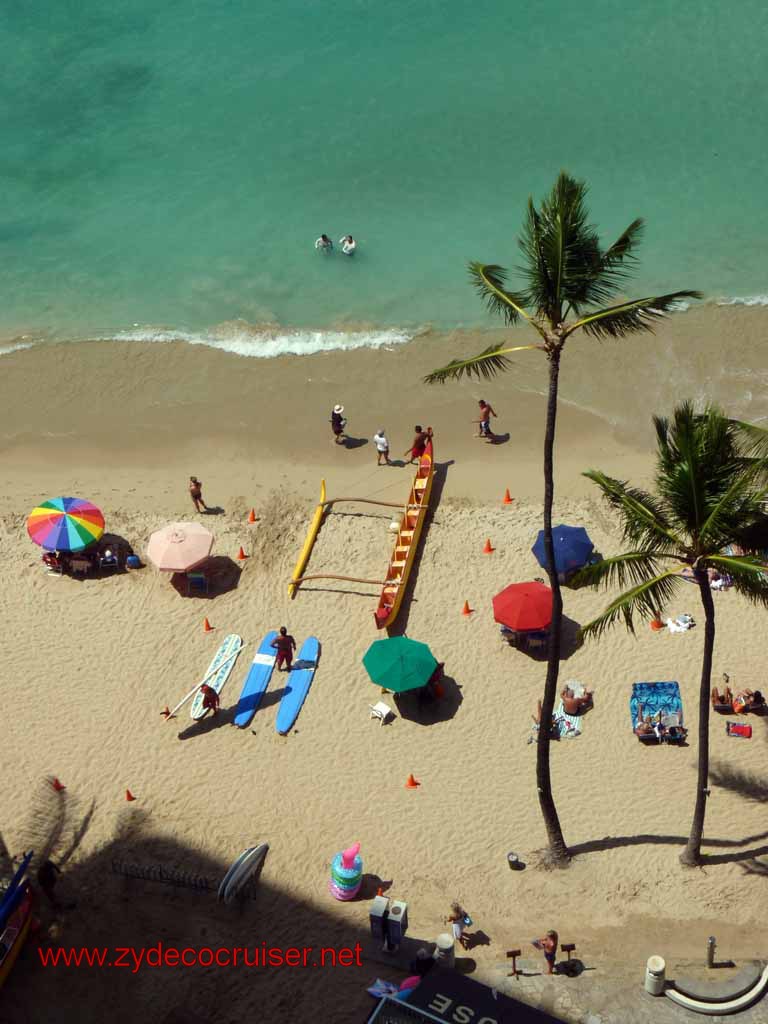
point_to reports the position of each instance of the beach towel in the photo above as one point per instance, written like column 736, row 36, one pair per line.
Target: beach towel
column 681, row 624
column 655, row 697
column 567, row 725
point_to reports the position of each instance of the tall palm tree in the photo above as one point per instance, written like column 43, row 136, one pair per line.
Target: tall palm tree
column 567, row 277
column 708, row 497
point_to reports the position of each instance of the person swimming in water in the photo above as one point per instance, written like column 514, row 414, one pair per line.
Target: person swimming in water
column 324, row 243
column 348, row 245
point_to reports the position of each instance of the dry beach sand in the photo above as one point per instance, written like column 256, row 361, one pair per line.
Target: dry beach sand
column 89, row 665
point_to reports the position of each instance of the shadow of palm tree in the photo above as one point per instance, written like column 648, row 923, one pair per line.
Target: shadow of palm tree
column 645, row 839
column 747, row 784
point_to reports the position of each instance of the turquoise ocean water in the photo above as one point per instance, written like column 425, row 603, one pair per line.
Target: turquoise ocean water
column 167, row 167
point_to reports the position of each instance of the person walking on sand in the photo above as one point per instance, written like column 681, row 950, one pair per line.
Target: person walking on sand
column 419, row 443
column 338, row 423
column 548, row 946
column 210, row 698
column 457, row 920
column 348, row 245
column 484, row 423
column 382, row 447
column 196, row 493
column 324, row 243
column 285, row 645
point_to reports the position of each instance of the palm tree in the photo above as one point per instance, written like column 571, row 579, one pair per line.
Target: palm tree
column 708, row 497
column 565, row 273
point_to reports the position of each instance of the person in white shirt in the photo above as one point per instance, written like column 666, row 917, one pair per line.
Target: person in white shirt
column 324, row 243
column 382, row 447
column 348, row 245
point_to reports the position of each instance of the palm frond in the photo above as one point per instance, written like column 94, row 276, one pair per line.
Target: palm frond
column 629, row 317
column 485, row 365
column 630, row 568
column 754, row 439
column 643, row 518
column 644, row 600
column 749, row 575
column 490, row 279
column 611, row 268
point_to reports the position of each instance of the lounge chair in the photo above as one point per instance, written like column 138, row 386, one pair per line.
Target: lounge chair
column 381, row 711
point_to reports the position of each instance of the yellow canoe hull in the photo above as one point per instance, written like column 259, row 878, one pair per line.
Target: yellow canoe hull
column 309, row 543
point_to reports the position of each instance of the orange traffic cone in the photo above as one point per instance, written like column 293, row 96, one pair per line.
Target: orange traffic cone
column 412, row 783
column 207, row 627
column 241, row 555
column 657, row 624
column 488, row 549
column 507, row 499
column 58, row 786
column 252, row 516
column 129, row 796
column 166, row 712
column 466, row 610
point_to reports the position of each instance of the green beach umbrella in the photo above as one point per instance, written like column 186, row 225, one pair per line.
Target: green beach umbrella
column 399, row 664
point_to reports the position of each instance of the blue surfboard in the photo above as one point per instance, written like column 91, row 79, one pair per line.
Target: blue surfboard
column 256, row 682
column 15, row 890
column 299, row 681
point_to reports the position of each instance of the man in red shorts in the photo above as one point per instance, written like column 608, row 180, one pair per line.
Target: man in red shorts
column 210, row 698
column 285, row 645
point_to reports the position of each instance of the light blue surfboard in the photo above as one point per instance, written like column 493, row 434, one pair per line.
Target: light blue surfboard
column 256, row 682
column 299, row 681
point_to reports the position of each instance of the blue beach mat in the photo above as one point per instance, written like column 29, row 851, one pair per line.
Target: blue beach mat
column 655, row 697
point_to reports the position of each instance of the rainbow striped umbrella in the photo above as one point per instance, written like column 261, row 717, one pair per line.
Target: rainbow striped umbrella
column 65, row 524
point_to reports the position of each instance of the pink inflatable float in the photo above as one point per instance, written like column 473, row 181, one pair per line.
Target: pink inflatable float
column 346, row 873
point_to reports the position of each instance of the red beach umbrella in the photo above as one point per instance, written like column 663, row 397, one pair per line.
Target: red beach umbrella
column 523, row 606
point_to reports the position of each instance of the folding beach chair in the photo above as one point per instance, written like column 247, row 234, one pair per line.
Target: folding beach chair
column 197, row 582
column 381, row 711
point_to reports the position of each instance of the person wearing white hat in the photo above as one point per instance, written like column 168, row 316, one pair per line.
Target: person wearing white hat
column 382, row 447
column 338, row 423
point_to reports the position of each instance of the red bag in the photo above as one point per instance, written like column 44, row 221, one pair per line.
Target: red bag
column 739, row 729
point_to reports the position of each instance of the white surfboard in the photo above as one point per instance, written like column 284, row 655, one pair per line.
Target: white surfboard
column 244, row 868
column 218, row 671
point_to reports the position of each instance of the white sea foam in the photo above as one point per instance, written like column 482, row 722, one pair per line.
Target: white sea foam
column 15, row 347
column 744, row 300
column 269, row 342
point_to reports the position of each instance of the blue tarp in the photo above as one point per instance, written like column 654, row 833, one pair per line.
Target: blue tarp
column 655, row 697
column 573, row 548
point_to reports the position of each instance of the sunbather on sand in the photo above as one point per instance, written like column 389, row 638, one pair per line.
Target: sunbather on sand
column 718, row 698
column 743, row 701
column 645, row 726
column 573, row 705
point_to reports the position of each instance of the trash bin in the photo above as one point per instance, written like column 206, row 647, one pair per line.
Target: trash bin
column 654, row 975
column 445, row 953
column 515, row 864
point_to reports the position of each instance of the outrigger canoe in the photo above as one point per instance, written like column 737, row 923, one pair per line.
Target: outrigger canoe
column 404, row 553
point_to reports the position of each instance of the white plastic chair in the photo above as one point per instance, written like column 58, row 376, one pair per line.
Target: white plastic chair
column 381, row 711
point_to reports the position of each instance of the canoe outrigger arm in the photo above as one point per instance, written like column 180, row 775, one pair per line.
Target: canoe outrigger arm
column 347, row 579
column 314, row 528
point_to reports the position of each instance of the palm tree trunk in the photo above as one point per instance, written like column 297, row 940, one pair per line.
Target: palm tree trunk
column 558, row 851
column 691, row 855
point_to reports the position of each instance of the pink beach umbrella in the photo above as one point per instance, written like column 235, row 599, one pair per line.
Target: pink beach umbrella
column 179, row 547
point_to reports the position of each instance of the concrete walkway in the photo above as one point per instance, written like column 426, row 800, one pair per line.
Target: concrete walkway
column 605, row 994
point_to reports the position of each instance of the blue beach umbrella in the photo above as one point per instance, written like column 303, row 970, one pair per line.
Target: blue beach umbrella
column 572, row 548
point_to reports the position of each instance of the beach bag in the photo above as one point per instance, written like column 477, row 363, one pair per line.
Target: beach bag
column 738, row 729
column 467, row 920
